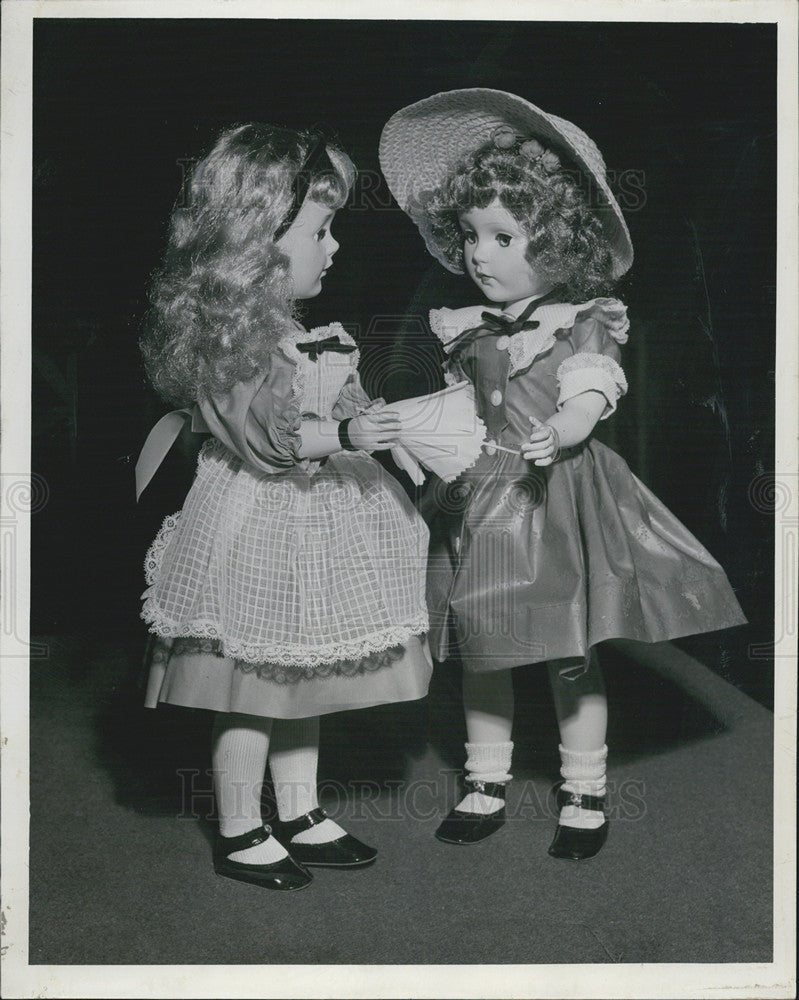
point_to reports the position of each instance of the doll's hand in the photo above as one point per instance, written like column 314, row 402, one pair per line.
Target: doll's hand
column 374, row 405
column 543, row 448
column 374, row 431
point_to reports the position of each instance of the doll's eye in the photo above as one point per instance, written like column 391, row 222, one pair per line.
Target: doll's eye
column 321, row 235
column 504, row 239
column 469, row 236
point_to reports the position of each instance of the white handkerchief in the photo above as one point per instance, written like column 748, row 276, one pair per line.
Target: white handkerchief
column 442, row 430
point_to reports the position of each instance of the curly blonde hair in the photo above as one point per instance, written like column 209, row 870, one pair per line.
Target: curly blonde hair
column 223, row 297
column 566, row 239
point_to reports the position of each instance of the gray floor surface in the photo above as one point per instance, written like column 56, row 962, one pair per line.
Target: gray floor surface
column 120, row 853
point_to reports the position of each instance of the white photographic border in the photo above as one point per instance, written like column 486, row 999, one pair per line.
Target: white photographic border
column 20, row 979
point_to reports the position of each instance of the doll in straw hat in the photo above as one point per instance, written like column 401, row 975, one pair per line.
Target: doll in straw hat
column 291, row 584
column 548, row 545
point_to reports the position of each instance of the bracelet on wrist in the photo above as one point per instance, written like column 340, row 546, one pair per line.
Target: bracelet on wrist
column 556, row 453
column 344, row 437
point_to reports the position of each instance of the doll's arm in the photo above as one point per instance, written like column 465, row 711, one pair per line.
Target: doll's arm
column 370, row 427
column 257, row 420
column 352, row 399
column 593, row 367
column 367, row 432
column 570, row 426
column 591, row 383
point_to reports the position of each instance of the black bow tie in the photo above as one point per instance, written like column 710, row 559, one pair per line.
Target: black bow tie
column 507, row 326
column 313, row 348
column 491, row 326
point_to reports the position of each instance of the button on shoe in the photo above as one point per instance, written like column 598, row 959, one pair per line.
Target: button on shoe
column 576, row 843
column 496, row 397
column 461, row 827
column 285, row 874
column 343, row 852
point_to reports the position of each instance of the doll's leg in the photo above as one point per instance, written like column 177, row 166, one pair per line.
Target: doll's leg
column 240, row 748
column 581, row 706
column 293, row 762
column 488, row 702
column 312, row 838
column 488, row 705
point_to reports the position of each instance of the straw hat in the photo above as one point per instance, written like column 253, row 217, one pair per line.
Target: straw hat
column 421, row 145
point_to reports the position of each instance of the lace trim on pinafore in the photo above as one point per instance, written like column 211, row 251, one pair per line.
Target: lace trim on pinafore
column 280, row 673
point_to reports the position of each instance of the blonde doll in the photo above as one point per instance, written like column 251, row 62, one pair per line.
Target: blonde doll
column 549, row 544
column 291, row 584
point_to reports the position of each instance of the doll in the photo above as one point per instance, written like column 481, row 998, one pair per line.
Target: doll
column 548, row 545
column 291, row 584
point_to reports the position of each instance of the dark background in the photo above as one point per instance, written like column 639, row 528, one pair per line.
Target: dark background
column 685, row 116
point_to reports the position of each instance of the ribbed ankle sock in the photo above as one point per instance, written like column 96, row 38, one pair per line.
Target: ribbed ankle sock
column 240, row 748
column 293, row 764
column 489, row 762
column 584, row 773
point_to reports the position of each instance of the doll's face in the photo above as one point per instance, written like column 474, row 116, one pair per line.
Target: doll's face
column 493, row 252
column 309, row 245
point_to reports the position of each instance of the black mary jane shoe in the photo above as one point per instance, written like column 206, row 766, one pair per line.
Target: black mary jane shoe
column 461, row 827
column 571, row 842
column 343, row 852
column 285, row 874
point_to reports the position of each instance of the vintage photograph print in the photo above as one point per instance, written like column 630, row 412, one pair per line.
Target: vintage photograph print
column 405, row 483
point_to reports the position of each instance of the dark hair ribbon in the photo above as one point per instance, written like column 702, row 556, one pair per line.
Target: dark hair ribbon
column 313, row 348
column 302, row 181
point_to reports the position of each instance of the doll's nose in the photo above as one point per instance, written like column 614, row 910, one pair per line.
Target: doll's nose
column 478, row 253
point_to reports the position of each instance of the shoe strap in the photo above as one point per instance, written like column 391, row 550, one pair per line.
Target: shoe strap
column 491, row 788
column 229, row 845
column 582, row 801
column 292, row 827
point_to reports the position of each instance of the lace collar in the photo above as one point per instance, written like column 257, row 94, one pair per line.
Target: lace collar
column 524, row 347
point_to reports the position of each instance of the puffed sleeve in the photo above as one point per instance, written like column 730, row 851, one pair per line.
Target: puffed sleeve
column 352, row 399
column 259, row 420
column 594, row 363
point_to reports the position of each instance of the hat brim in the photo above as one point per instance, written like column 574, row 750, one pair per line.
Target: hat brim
column 422, row 144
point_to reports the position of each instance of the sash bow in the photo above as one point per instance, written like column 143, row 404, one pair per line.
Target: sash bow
column 160, row 440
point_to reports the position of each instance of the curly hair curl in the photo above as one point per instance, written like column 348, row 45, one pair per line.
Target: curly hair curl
column 566, row 240
column 223, row 296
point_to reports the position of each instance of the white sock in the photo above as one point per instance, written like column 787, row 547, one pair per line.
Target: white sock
column 240, row 748
column 488, row 762
column 293, row 763
column 584, row 772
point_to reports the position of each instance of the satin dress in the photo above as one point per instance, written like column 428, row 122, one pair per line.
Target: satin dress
column 530, row 564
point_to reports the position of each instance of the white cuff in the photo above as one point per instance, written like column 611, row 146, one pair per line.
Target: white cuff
column 584, row 372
